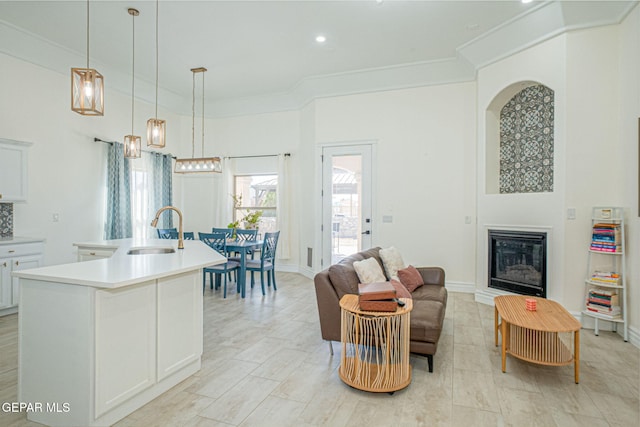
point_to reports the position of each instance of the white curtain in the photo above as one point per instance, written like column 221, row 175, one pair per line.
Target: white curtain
column 283, row 207
column 224, row 190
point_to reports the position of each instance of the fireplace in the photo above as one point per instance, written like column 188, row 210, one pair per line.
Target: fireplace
column 518, row 262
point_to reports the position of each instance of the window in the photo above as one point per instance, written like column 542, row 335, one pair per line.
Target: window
column 140, row 201
column 256, row 193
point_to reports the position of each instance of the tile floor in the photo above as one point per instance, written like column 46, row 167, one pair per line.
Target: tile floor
column 264, row 364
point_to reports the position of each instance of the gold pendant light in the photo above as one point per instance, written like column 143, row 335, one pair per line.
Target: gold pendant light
column 87, row 87
column 156, row 128
column 200, row 164
column 132, row 143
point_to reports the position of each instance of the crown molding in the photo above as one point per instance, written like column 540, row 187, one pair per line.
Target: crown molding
column 538, row 24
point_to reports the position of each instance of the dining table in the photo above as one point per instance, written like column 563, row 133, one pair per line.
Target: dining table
column 243, row 247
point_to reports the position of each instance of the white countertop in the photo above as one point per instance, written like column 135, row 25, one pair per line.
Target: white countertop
column 124, row 270
column 16, row 240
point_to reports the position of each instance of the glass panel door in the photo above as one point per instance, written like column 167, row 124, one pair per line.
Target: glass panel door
column 346, row 201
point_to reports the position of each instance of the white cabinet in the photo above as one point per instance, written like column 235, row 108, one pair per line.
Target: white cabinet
column 87, row 253
column 112, row 351
column 125, row 344
column 179, row 323
column 15, row 257
column 13, row 170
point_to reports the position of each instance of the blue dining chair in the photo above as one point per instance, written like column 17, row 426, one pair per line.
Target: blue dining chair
column 218, row 242
column 165, row 233
column 187, row 235
column 267, row 261
column 244, row 235
column 227, row 231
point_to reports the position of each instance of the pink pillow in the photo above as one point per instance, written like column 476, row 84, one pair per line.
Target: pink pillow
column 411, row 278
column 401, row 290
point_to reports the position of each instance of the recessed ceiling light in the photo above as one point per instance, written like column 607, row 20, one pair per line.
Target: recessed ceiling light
column 321, row 39
column 526, row 1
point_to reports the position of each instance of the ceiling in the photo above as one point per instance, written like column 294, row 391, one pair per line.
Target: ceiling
column 262, row 55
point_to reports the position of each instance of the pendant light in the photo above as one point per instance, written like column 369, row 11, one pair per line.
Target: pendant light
column 87, row 87
column 156, row 128
column 132, row 143
column 200, row 164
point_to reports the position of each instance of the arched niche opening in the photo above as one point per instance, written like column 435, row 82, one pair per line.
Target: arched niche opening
column 520, row 139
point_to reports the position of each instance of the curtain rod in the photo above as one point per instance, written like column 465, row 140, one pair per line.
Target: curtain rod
column 145, row 151
column 253, row 157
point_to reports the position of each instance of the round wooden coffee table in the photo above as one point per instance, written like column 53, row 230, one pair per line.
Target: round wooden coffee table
column 375, row 347
column 542, row 336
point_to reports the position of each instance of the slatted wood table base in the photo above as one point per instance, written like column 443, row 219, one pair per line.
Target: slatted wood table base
column 548, row 336
column 375, row 347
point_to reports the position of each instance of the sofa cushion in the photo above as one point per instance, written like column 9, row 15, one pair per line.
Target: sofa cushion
column 431, row 293
column 392, row 262
column 426, row 320
column 369, row 271
column 411, row 278
column 344, row 279
column 401, row 290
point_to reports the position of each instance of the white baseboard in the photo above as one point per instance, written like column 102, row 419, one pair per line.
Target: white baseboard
column 289, row 268
column 486, row 296
column 462, row 287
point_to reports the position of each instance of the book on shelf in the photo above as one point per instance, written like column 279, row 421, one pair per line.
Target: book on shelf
column 612, row 312
column 606, row 278
column 605, row 302
column 597, row 248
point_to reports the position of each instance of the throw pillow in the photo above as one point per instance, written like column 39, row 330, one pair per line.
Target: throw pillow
column 411, row 278
column 401, row 290
column 369, row 271
column 392, row 261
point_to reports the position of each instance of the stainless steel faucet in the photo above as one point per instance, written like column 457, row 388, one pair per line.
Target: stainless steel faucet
column 154, row 223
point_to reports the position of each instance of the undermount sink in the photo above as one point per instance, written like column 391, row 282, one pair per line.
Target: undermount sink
column 150, row 251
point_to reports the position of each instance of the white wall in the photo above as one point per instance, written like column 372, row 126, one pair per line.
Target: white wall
column 628, row 123
column 593, row 142
column 66, row 167
column 425, row 171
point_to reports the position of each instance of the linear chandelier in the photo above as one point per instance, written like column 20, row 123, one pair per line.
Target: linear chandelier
column 87, row 87
column 200, row 164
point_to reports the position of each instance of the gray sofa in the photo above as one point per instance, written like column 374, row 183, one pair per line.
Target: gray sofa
column 429, row 302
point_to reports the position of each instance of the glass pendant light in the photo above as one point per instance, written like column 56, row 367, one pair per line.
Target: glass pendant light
column 87, row 87
column 156, row 128
column 132, row 143
column 200, row 164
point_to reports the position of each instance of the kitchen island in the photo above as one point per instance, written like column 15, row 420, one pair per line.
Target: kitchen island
column 99, row 339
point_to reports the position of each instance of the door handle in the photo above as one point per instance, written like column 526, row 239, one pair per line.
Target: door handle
column 366, row 232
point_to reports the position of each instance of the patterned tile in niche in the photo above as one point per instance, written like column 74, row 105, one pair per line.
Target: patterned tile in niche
column 526, row 142
column 6, row 219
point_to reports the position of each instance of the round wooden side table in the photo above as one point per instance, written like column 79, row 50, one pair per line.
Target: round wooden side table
column 375, row 347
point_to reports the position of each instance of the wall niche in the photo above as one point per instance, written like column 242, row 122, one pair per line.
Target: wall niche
column 520, row 139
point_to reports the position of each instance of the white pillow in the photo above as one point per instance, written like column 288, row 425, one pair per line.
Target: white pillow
column 392, row 261
column 369, row 271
